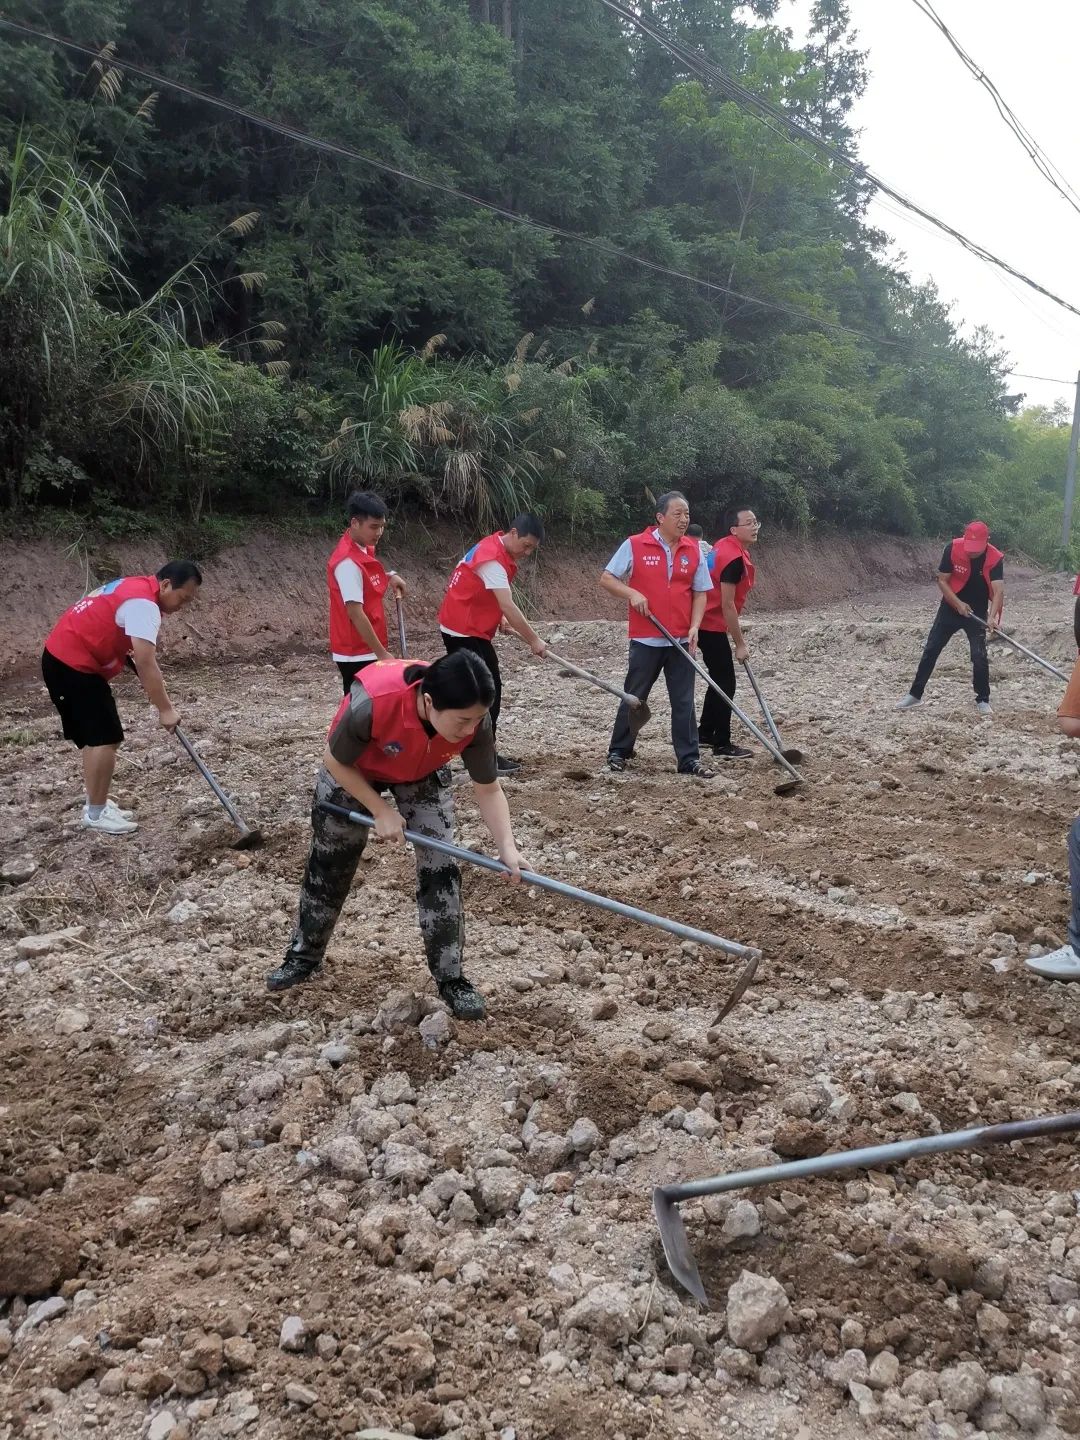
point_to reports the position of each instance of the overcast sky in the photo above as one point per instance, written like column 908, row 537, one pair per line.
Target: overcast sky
column 932, row 132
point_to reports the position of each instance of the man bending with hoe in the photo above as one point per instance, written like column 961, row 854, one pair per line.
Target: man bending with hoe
column 86, row 648
column 971, row 578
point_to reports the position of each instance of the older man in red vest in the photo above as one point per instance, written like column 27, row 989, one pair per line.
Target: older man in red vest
column 971, row 578
column 732, row 572
column 357, row 583
column 663, row 572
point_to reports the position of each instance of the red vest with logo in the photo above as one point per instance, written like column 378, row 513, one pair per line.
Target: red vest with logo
column 961, row 566
column 723, row 553
column 345, row 639
column 469, row 607
column 87, row 637
column 671, row 600
column 400, row 749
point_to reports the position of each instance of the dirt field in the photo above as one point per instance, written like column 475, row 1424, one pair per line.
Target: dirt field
column 303, row 1216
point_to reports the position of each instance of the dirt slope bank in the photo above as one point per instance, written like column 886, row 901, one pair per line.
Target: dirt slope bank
column 269, row 593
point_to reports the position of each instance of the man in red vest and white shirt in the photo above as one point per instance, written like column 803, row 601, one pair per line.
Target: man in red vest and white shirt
column 86, row 648
column 357, row 584
column 479, row 601
column 971, row 578
column 661, row 571
column 732, row 573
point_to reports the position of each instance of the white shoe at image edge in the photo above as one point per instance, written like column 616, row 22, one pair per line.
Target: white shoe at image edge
column 984, row 707
column 1063, row 964
column 908, row 702
column 108, row 823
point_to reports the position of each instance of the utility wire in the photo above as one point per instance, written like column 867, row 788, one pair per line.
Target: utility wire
column 345, row 152
column 1038, row 156
column 1051, row 379
column 702, row 66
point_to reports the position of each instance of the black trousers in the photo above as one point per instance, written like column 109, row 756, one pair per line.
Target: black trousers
column 349, row 671
column 946, row 623
column 646, row 664
column 714, row 727
column 486, row 650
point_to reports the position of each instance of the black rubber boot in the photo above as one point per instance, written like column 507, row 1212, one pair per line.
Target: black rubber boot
column 464, row 999
column 290, row 972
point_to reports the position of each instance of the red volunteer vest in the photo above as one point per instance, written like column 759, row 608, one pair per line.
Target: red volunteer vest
column 961, row 566
column 723, row 552
column 469, row 607
column 400, row 749
column 87, row 637
column 345, row 639
column 669, row 600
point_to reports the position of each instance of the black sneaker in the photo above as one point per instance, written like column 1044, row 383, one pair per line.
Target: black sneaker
column 292, row 971
column 464, row 999
column 505, row 766
column 616, row 763
column 700, row 771
column 732, row 752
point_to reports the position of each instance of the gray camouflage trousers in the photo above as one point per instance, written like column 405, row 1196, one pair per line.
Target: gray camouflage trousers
column 336, row 847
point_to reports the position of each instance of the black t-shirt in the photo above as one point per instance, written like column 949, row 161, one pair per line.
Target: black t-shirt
column 733, row 571
column 975, row 592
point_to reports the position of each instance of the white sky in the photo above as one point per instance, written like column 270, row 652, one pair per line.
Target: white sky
column 931, row 131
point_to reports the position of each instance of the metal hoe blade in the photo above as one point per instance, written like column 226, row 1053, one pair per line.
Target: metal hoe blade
column 1053, row 669
column 666, row 1197
column 745, row 980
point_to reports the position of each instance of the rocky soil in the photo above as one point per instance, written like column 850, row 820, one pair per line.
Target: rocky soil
column 336, row 1211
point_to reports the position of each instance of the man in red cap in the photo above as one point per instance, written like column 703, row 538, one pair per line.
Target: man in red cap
column 971, row 578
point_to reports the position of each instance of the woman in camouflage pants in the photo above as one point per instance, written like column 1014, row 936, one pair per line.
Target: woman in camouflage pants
column 396, row 732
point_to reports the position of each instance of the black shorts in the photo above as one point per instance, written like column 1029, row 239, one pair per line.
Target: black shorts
column 85, row 703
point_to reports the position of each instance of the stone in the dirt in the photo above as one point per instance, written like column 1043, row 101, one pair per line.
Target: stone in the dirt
column 435, row 1029
column 263, row 1086
column 18, row 869
column 992, row 1324
column 218, row 1170
column 884, row 1371
column 40, row 1313
column 33, row 946
column 335, row 1052
column 757, row 1309
column 374, row 1126
column 584, row 1136
column 345, row 1155
column 411, row 1355
column 741, row 1222
column 424, row 1416
column 1022, row 1398
column 239, row 1353
column 399, row 1011
column 393, row 1088
column 183, row 913
column 608, row 1311
column 161, row 1426
column 242, row 1209
column 302, row 1395
column 437, row 1195
column 34, row 1257
column 293, row 1333
column 71, row 1020
column 688, row 1073
column 907, row 1102
column 406, row 1163
column 991, row 1277
column 500, row 1188
column 7, row 1340
column 953, row 1264
column 963, row 1387
column 463, row 1210
column 799, row 1139
column 847, row 1368
column 548, row 1152
column 605, row 1009
column 700, row 1125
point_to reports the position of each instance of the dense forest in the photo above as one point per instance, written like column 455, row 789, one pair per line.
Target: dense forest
column 199, row 315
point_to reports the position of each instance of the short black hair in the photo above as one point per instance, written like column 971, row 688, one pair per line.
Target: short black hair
column 179, row 572
column 365, row 505
column 527, row 525
column 455, row 682
column 695, row 532
column 665, row 500
column 731, row 516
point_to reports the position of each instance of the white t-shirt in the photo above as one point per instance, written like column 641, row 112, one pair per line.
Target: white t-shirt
column 139, row 619
column 494, row 576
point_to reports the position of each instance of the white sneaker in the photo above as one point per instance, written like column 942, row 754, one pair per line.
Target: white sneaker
column 909, row 702
column 1063, row 964
column 984, row 707
column 109, row 823
column 113, row 809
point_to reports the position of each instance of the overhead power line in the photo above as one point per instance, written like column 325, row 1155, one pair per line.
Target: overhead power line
column 345, row 152
column 1038, row 156
column 1050, row 379
column 699, row 64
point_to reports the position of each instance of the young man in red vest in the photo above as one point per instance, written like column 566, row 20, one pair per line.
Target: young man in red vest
column 90, row 644
column 357, row 584
column 661, row 571
column 971, row 578
column 478, row 601
column 732, row 572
